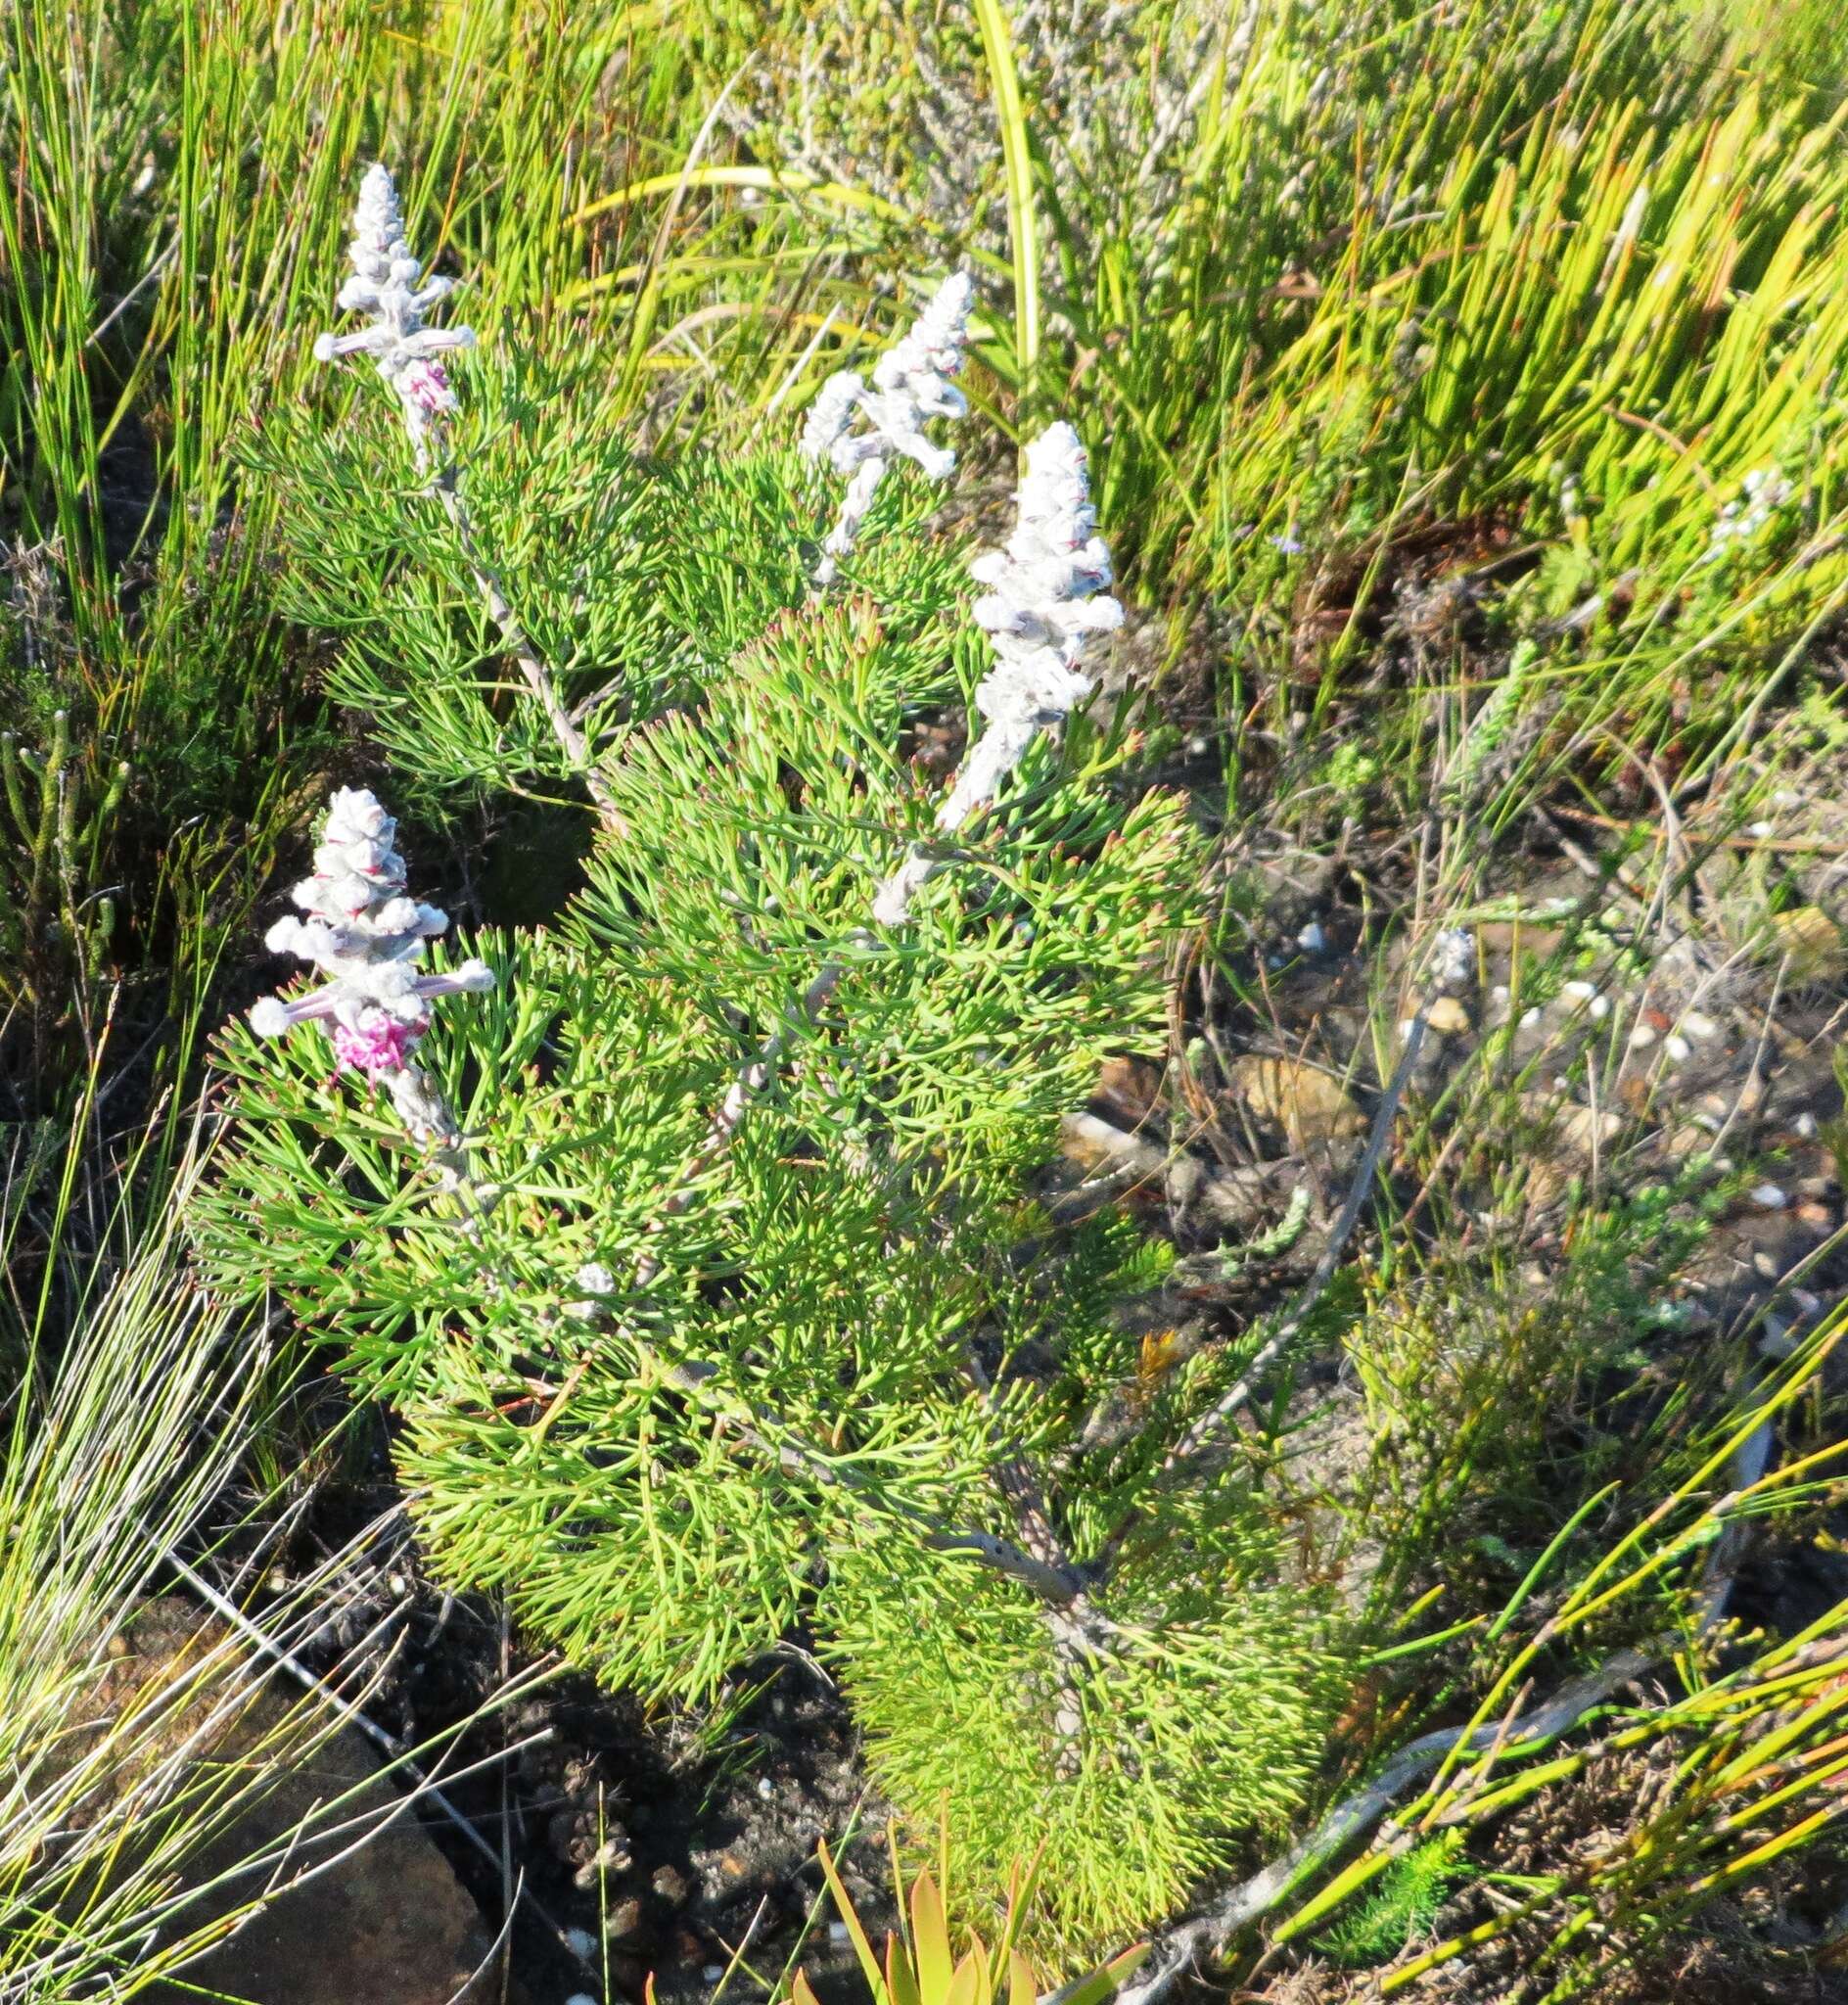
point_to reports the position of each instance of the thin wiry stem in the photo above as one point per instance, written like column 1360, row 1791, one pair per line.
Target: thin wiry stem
column 532, row 664
column 1049, row 1581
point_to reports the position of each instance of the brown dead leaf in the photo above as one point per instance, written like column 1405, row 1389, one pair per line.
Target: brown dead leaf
column 1131, row 1087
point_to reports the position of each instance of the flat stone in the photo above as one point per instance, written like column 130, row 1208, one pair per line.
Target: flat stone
column 1306, row 1102
column 385, row 1923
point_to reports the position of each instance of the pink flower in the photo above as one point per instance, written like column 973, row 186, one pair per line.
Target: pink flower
column 426, row 386
column 380, row 1043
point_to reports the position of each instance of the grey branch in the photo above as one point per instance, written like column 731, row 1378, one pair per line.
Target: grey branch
column 532, row 666
column 1051, row 1583
column 1209, row 1933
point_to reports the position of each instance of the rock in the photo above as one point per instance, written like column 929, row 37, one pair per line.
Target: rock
column 1813, row 943
column 1447, row 1017
column 1130, row 1087
column 386, row 1923
column 1583, row 1130
column 1302, row 1100
column 1539, row 942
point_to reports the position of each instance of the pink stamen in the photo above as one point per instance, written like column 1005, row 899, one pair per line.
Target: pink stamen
column 428, row 388
column 380, row 1045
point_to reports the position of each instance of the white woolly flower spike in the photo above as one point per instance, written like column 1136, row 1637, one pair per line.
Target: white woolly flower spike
column 860, row 431
column 385, row 286
column 1047, row 597
column 367, row 936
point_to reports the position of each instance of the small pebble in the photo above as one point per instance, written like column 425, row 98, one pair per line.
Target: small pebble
column 1499, row 992
column 623, row 1918
column 1761, row 829
column 1700, row 1025
column 1642, row 1036
column 1311, row 939
column 1813, row 1214
column 581, row 1999
column 837, row 1933
column 581, row 1943
column 1768, row 1197
column 1530, row 1019
column 1811, row 1304
column 1579, row 991
column 1406, row 1025
column 1676, row 1049
column 1599, row 1007
column 1764, row 1266
column 1448, row 1017
column 1805, row 1126
column 766, row 1789
column 711, row 1973
column 1777, row 1341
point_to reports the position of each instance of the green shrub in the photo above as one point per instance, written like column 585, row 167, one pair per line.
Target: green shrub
column 679, row 1380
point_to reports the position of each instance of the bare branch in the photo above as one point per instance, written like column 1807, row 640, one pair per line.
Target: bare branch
column 532, row 665
column 1207, row 1934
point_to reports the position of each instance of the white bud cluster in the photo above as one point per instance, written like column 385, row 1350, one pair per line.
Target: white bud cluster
column 367, row 935
column 1044, row 599
column 1048, row 597
column 860, row 431
column 388, row 286
column 1762, row 492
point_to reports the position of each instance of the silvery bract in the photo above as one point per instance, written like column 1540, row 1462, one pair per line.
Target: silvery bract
column 1048, row 593
column 385, row 286
column 860, row 432
column 1048, row 597
column 367, row 936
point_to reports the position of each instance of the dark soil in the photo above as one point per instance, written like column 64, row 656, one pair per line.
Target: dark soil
column 673, row 1852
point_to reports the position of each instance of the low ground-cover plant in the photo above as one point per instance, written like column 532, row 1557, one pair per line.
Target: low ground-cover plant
column 698, row 1254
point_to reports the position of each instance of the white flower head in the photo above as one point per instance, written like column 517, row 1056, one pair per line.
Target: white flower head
column 1048, row 589
column 1048, row 597
column 367, row 936
column 860, row 429
column 388, row 287
column 1742, row 521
